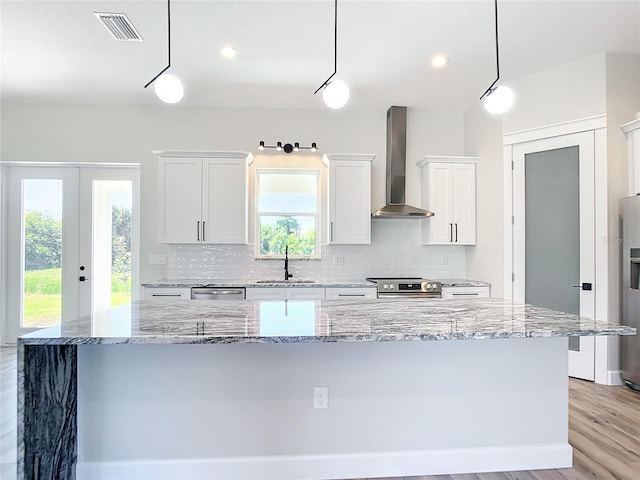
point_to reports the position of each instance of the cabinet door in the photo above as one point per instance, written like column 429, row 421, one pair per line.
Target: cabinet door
column 267, row 293
column 339, row 293
column 166, row 293
column 465, row 292
column 304, row 293
column 349, row 202
column 224, row 200
column 440, row 195
column 464, row 203
column 180, row 200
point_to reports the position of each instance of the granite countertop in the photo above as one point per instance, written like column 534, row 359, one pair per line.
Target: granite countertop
column 292, row 321
column 267, row 283
column 462, row 282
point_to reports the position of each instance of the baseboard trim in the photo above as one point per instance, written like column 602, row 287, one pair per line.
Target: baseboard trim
column 614, row 377
column 331, row 467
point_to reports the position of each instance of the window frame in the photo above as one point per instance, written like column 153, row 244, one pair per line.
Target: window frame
column 258, row 213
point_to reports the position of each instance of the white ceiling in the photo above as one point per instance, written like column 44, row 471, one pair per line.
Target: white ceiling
column 57, row 51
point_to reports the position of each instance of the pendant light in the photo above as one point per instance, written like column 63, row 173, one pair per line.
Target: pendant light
column 336, row 92
column 497, row 99
column 168, row 87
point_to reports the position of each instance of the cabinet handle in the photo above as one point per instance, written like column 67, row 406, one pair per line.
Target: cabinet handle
column 203, row 222
column 166, row 295
column 475, row 294
column 198, row 230
column 351, row 294
column 331, row 231
column 456, row 233
column 451, row 232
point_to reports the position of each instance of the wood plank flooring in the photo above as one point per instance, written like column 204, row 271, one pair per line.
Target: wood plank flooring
column 604, row 430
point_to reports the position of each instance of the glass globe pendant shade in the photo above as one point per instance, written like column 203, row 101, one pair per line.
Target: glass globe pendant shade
column 169, row 88
column 499, row 100
column 336, row 94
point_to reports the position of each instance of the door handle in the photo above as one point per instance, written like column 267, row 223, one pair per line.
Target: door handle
column 203, row 222
column 451, row 232
column 82, row 278
column 584, row 286
column 456, row 233
column 198, row 230
column 331, row 231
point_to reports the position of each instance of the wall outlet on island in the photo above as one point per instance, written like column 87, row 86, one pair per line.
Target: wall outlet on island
column 157, row 259
column 320, row 397
column 444, row 260
column 338, row 259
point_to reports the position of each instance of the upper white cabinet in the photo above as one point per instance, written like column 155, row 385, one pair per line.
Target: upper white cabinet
column 203, row 197
column 449, row 190
column 349, row 198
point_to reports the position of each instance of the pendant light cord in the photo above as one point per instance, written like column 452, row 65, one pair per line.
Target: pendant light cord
column 488, row 90
column 335, row 47
column 168, row 45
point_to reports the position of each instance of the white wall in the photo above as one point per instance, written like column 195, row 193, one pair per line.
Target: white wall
column 483, row 138
column 564, row 93
column 623, row 101
column 54, row 133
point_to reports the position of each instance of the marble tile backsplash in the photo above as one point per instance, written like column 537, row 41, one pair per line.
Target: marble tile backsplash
column 395, row 250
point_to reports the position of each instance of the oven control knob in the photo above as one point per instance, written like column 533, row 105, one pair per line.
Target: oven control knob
column 385, row 286
column 429, row 286
column 391, row 286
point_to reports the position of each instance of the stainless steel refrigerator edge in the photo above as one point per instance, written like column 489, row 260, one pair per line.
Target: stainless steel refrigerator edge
column 630, row 345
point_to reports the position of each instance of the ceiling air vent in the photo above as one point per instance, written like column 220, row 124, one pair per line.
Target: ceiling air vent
column 119, row 26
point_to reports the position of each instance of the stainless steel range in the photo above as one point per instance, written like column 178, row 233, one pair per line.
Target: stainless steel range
column 411, row 287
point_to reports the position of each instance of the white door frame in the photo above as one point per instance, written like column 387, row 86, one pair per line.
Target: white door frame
column 597, row 125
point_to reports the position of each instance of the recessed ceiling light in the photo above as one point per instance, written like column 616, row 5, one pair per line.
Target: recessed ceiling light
column 439, row 61
column 229, row 52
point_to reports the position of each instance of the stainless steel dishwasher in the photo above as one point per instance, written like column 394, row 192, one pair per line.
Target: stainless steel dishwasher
column 217, row 293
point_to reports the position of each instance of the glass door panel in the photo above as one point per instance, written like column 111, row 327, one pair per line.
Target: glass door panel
column 42, row 226
column 112, row 238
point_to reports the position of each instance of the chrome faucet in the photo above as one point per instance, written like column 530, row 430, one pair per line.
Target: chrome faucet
column 287, row 275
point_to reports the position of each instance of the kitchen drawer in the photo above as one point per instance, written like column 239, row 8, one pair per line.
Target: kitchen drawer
column 169, row 293
column 305, row 293
column 339, row 293
column 266, row 293
column 465, row 292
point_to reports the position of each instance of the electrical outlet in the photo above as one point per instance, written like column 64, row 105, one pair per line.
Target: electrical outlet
column 157, row 259
column 338, row 259
column 320, row 397
column 444, row 260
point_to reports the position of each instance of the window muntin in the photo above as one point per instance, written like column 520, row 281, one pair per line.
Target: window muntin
column 287, row 213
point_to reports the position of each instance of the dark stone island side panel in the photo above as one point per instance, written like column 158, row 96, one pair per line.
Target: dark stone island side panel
column 47, row 412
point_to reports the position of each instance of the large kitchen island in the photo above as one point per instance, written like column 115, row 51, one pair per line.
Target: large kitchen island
column 227, row 390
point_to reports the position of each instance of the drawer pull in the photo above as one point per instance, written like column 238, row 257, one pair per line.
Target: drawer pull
column 351, row 294
column 166, row 294
column 475, row 294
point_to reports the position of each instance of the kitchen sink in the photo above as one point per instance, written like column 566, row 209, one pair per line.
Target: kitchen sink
column 285, row 281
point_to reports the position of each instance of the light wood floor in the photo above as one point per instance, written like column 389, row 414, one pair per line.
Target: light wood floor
column 604, row 430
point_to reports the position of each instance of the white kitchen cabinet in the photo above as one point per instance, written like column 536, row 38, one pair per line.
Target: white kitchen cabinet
column 348, row 293
column 349, row 198
column 449, row 191
column 265, row 293
column 304, row 293
column 166, row 293
column 285, row 293
column 465, row 292
column 203, row 197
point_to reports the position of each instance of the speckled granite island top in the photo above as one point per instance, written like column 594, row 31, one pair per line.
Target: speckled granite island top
column 290, row 321
column 269, row 283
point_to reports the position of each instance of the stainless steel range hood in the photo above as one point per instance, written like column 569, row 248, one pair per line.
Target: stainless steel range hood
column 396, row 169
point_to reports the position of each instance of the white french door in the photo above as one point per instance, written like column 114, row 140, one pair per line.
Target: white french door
column 71, row 242
column 554, row 232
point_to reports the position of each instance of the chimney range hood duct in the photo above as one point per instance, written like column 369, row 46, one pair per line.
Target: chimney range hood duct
column 396, row 169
